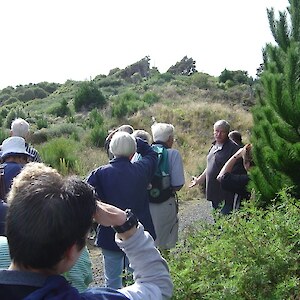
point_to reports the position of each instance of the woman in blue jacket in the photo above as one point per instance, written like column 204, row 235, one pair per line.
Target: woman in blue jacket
column 123, row 184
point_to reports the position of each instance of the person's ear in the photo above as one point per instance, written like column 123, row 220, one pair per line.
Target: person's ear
column 72, row 254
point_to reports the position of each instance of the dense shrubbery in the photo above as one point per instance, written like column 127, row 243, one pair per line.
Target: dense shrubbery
column 60, row 154
column 97, row 135
column 13, row 114
column 60, row 109
column 130, row 102
column 88, row 94
column 254, row 254
column 41, row 122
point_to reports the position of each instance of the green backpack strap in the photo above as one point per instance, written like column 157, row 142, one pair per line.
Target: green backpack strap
column 163, row 163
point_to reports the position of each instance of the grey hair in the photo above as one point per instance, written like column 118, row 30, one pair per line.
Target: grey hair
column 19, row 127
column 223, row 124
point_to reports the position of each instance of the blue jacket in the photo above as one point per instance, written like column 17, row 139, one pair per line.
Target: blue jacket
column 11, row 170
column 124, row 184
column 28, row 286
column 3, row 210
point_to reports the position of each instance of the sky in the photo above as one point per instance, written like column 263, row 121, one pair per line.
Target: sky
column 58, row 40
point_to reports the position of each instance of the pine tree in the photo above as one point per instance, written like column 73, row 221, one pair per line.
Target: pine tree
column 276, row 131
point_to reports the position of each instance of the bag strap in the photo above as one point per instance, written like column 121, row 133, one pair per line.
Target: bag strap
column 163, row 163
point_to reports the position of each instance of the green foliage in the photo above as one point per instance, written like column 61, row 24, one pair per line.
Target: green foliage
column 4, row 134
column 39, row 93
column 95, row 118
column 60, row 153
column 109, row 81
column 201, row 80
column 60, row 109
column 252, row 254
column 97, row 135
column 64, row 129
column 42, row 122
column 88, row 94
column 12, row 100
column 126, row 104
column 18, row 112
column 235, row 77
column 277, row 113
column 150, row 98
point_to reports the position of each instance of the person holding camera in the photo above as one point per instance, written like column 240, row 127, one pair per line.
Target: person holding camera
column 47, row 224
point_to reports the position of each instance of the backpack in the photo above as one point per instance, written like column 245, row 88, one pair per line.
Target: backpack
column 161, row 190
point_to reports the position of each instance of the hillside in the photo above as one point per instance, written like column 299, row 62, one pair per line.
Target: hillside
column 191, row 103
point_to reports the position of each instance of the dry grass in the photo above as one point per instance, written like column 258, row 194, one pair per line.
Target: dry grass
column 193, row 121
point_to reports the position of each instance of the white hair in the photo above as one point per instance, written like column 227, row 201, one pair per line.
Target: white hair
column 19, row 127
column 161, row 132
column 223, row 124
column 122, row 144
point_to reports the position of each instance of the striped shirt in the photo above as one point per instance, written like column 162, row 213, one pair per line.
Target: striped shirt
column 4, row 253
column 33, row 151
column 81, row 275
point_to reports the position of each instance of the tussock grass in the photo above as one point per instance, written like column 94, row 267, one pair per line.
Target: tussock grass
column 193, row 123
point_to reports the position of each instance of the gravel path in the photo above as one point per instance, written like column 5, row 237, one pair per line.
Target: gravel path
column 189, row 212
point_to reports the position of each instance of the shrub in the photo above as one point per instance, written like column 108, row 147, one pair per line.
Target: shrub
column 60, row 109
column 12, row 100
column 119, row 109
column 95, row 118
column 127, row 103
column 13, row 114
column 40, row 93
column 4, row 97
column 88, row 94
column 253, row 254
column 27, row 95
column 41, row 123
column 60, row 153
column 4, row 134
column 97, row 135
column 59, row 130
column 150, row 98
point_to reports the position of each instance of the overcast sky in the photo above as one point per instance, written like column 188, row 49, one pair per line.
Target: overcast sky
column 57, row 40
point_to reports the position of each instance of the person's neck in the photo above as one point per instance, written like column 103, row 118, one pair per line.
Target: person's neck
column 46, row 272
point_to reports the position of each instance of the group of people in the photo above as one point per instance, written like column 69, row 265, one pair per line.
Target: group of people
column 124, row 182
column 49, row 216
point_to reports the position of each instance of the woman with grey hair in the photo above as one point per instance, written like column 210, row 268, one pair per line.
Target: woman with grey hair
column 123, row 184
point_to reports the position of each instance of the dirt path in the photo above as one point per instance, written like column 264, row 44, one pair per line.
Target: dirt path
column 189, row 212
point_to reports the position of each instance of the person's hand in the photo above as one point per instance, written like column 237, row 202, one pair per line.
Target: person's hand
column 194, row 182
column 239, row 153
column 109, row 215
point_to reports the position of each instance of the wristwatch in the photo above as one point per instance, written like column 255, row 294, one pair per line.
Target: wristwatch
column 131, row 221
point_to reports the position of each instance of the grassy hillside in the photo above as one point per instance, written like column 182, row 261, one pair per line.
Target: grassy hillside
column 191, row 103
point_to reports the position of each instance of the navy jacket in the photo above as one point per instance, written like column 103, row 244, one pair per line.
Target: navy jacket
column 15, row 285
column 124, row 184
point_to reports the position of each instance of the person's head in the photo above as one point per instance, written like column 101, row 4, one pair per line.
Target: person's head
column 126, row 128
column 13, row 149
column 221, row 130
column 142, row 134
column 19, row 127
column 48, row 218
column 122, row 144
column 247, row 157
column 163, row 132
column 236, row 137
